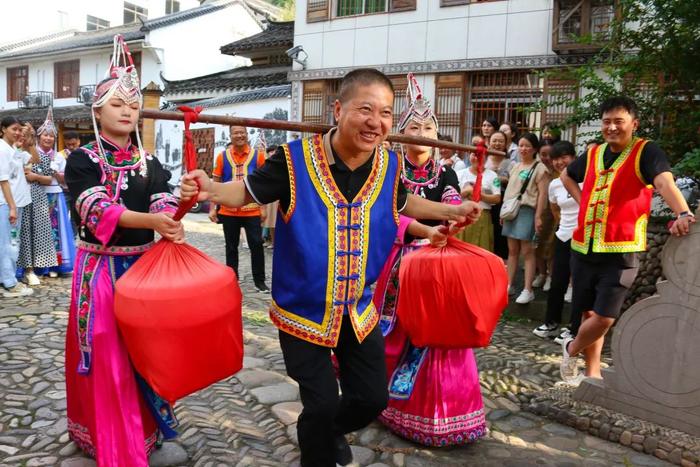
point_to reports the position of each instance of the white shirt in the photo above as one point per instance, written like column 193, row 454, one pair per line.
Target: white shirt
column 513, row 152
column 18, row 181
column 569, row 210
column 457, row 163
column 490, row 184
column 6, row 155
column 58, row 165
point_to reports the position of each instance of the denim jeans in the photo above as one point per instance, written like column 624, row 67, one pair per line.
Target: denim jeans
column 8, row 255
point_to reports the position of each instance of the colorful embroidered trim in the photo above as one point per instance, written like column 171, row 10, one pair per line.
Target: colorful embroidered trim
column 404, row 377
column 450, row 431
column 162, row 202
column 114, row 250
column 88, row 270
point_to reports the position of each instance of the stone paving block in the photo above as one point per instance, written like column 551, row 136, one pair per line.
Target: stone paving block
column 287, row 412
column 281, row 392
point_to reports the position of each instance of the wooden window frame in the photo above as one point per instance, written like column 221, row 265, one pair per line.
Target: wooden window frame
column 448, row 3
column 586, row 9
column 59, row 75
column 318, row 13
column 452, row 81
column 326, row 10
column 14, row 93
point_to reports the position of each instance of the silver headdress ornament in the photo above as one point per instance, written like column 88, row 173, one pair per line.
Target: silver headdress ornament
column 417, row 108
column 121, row 81
column 48, row 125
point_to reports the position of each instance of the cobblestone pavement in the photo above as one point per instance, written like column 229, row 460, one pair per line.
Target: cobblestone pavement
column 250, row 419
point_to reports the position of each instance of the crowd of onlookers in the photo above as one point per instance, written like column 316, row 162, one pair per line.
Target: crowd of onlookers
column 538, row 232
column 36, row 235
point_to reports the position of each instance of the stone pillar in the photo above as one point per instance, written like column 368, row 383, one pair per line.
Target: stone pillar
column 151, row 100
column 655, row 348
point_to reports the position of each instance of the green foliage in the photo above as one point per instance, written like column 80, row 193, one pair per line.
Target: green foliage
column 689, row 165
column 653, row 56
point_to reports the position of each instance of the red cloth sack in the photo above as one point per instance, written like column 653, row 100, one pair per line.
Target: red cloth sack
column 179, row 312
column 451, row 297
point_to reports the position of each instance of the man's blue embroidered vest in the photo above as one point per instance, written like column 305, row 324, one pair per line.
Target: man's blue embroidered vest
column 329, row 250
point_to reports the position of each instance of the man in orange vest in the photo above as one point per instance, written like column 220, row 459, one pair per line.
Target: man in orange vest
column 235, row 163
column 618, row 180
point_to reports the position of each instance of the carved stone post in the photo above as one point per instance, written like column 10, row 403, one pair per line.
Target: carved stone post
column 656, row 348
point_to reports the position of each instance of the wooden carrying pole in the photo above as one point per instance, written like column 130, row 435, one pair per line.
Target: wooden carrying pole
column 304, row 128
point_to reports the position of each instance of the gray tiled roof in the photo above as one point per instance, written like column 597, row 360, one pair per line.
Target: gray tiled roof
column 236, row 79
column 277, row 34
column 79, row 40
column 130, row 32
column 271, row 92
column 71, row 113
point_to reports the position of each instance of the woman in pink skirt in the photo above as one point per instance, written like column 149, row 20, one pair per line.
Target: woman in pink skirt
column 121, row 197
column 435, row 397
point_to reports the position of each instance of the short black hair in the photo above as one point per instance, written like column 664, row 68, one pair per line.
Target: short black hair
column 617, row 102
column 443, row 137
column 70, row 135
column 532, row 138
column 8, row 122
column 561, row 149
column 492, row 121
column 362, row 77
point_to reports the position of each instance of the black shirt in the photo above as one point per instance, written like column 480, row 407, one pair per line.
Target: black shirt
column 652, row 163
column 270, row 182
column 82, row 173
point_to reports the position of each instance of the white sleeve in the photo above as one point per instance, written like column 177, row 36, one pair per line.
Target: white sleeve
column 552, row 193
column 26, row 157
column 5, row 166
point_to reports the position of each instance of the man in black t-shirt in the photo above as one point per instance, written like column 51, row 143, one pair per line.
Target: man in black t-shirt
column 615, row 201
column 364, row 112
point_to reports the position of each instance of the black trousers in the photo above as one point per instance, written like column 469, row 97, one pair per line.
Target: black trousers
column 500, row 243
column 253, row 232
column 561, row 273
column 363, row 381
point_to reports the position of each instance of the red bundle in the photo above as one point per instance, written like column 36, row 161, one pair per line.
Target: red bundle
column 179, row 312
column 451, row 297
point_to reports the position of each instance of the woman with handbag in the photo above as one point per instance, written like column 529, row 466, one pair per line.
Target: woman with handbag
column 524, row 202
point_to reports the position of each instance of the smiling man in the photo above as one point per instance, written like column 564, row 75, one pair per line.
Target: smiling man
column 618, row 179
column 339, row 198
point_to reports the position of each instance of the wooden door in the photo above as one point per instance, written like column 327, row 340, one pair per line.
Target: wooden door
column 204, row 147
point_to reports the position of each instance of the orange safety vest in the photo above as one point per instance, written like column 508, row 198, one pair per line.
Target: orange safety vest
column 615, row 203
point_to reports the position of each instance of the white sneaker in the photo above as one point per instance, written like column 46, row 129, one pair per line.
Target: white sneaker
column 569, row 293
column 525, row 297
column 565, row 334
column 547, row 284
column 31, row 279
column 539, row 281
column 19, row 290
column 576, row 382
column 53, row 274
column 546, row 330
column 569, row 365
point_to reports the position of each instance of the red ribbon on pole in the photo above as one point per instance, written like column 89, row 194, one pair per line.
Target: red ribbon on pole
column 190, row 157
column 481, row 158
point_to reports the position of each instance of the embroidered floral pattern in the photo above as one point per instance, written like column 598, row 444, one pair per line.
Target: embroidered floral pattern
column 462, row 429
column 87, row 271
column 80, row 435
column 114, row 250
column 163, row 202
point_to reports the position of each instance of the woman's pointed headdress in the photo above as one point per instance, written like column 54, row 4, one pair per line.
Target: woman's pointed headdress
column 48, row 125
column 121, row 81
column 417, row 108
